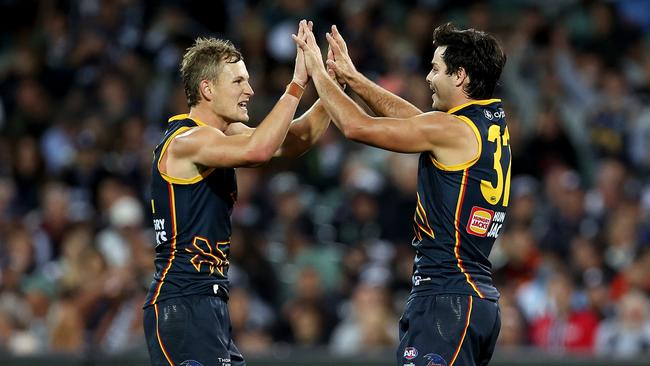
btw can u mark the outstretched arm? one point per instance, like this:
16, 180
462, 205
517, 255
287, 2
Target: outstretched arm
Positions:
441, 133
308, 128
380, 100
304, 130
303, 133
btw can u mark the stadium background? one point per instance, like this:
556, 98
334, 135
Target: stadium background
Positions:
321, 257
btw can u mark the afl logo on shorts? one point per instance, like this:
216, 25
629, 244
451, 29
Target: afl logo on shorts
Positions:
479, 221
410, 353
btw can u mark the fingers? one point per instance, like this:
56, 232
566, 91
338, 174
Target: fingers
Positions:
299, 42
339, 39
305, 38
334, 46
330, 61
331, 73
311, 39
331, 65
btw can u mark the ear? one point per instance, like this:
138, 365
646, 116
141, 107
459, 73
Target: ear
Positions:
461, 77
206, 88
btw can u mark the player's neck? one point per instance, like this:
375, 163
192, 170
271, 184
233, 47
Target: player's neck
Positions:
205, 115
459, 100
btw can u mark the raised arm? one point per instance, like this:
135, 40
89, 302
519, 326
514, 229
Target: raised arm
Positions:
380, 100
209, 147
450, 139
303, 133
305, 130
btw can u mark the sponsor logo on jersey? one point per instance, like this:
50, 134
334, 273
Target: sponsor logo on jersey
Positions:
410, 353
479, 221
435, 360
224, 361
488, 114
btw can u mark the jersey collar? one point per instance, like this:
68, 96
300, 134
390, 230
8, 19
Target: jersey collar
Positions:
479, 102
183, 116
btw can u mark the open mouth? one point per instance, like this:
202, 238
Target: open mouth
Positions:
243, 106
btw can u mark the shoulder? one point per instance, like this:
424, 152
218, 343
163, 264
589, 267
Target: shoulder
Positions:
188, 139
437, 119
445, 124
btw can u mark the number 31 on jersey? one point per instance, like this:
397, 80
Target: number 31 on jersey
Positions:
492, 193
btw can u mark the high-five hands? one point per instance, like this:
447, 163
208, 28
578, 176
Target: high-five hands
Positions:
339, 65
340, 62
307, 43
300, 75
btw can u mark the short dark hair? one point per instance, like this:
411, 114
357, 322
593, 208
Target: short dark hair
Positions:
203, 61
477, 52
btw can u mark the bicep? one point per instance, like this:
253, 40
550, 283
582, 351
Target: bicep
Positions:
424, 132
209, 147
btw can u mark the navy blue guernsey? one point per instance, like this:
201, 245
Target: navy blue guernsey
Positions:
460, 209
191, 218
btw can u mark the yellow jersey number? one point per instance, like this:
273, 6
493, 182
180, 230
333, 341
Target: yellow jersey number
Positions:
491, 193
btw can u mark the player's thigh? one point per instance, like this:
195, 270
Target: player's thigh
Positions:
442, 330
191, 331
485, 329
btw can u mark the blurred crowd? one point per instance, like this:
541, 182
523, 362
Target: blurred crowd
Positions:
321, 252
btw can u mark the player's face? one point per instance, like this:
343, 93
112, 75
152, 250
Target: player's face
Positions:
441, 84
232, 92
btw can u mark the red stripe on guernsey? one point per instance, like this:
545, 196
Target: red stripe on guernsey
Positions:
459, 205
172, 209
462, 339
162, 346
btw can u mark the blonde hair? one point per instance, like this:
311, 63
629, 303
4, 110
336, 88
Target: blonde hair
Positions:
203, 61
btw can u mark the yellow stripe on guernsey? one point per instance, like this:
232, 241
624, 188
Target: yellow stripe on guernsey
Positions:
180, 117
176, 180
162, 346
422, 214
471, 162
459, 204
172, 210
469, 122
462, 339
479, 102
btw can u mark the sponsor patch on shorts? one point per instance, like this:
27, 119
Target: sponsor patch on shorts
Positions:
479, 221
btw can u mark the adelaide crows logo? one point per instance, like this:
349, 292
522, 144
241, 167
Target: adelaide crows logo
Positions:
214, 257
435, 360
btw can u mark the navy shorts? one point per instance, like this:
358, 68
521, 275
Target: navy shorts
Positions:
448, 330
190, 331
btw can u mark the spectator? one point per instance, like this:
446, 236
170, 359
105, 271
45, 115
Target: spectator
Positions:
628, 333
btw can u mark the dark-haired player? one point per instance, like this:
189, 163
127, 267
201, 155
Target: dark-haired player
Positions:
452, 316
